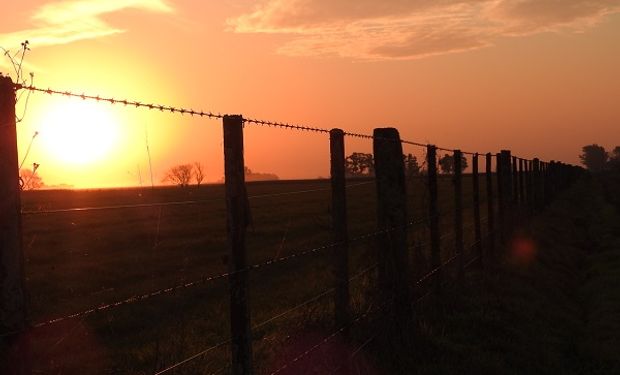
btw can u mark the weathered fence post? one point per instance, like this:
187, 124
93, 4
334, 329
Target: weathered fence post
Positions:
458, 214
490, 204
237, 221
433, 211
476, 199
339, 228
394, 280
12, 295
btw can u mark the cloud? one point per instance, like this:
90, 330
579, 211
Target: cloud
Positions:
408, 29
73, 20
534, 16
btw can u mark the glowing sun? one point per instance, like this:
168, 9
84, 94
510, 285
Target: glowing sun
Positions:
79, 132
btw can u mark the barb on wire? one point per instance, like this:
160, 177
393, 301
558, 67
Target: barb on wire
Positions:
133, 103
284, 125
167, 108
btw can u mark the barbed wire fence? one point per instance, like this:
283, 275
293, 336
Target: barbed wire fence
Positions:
540, 181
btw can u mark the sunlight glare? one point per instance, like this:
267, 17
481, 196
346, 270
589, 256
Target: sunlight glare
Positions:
79, 133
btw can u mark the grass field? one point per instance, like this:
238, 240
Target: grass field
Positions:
80, 259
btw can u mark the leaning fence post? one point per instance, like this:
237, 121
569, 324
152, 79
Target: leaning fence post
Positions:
458, 214
237, 220
12, 296
394, 281
476, 199
339, 228
433, 207
490, 203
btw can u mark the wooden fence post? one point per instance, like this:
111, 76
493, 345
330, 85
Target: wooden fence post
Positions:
433, 207
394, 274
490, 204
237, 221
339, 228
501, 212
515, 185
507, 193
536, 183
552, 180
546, 184
12, 295
529, 182
458, 214
476, 199
521, 186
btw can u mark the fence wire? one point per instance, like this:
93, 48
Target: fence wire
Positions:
208, 114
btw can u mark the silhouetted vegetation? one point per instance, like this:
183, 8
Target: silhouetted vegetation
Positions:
179, 175
359, 164
412, 168
446, 163
29, 179
199, 173
594, 157
259, 176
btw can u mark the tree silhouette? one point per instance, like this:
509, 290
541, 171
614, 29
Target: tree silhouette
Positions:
359, 164
29, 179
179, 175
594, 157
446, 163
199, 174
614, 160
412, 168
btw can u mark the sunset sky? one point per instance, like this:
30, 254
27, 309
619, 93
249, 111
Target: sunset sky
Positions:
539, 77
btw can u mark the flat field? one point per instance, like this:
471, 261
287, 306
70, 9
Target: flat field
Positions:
131, 242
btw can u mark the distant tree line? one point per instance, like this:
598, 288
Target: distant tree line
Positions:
597, 159
360, 164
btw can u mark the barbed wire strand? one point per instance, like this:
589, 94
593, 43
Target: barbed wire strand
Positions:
209, 279
126, 102
266, 322
209, 114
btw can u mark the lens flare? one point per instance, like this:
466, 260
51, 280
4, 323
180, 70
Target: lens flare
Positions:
523, 249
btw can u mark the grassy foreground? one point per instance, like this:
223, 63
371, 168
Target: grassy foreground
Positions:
551, 307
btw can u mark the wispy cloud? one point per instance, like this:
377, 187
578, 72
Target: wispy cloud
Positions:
408, 29
73, 20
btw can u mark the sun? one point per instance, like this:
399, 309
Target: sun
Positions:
79, 132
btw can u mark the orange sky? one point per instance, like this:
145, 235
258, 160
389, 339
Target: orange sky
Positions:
539, 77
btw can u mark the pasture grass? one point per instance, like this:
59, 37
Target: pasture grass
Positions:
81, 259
